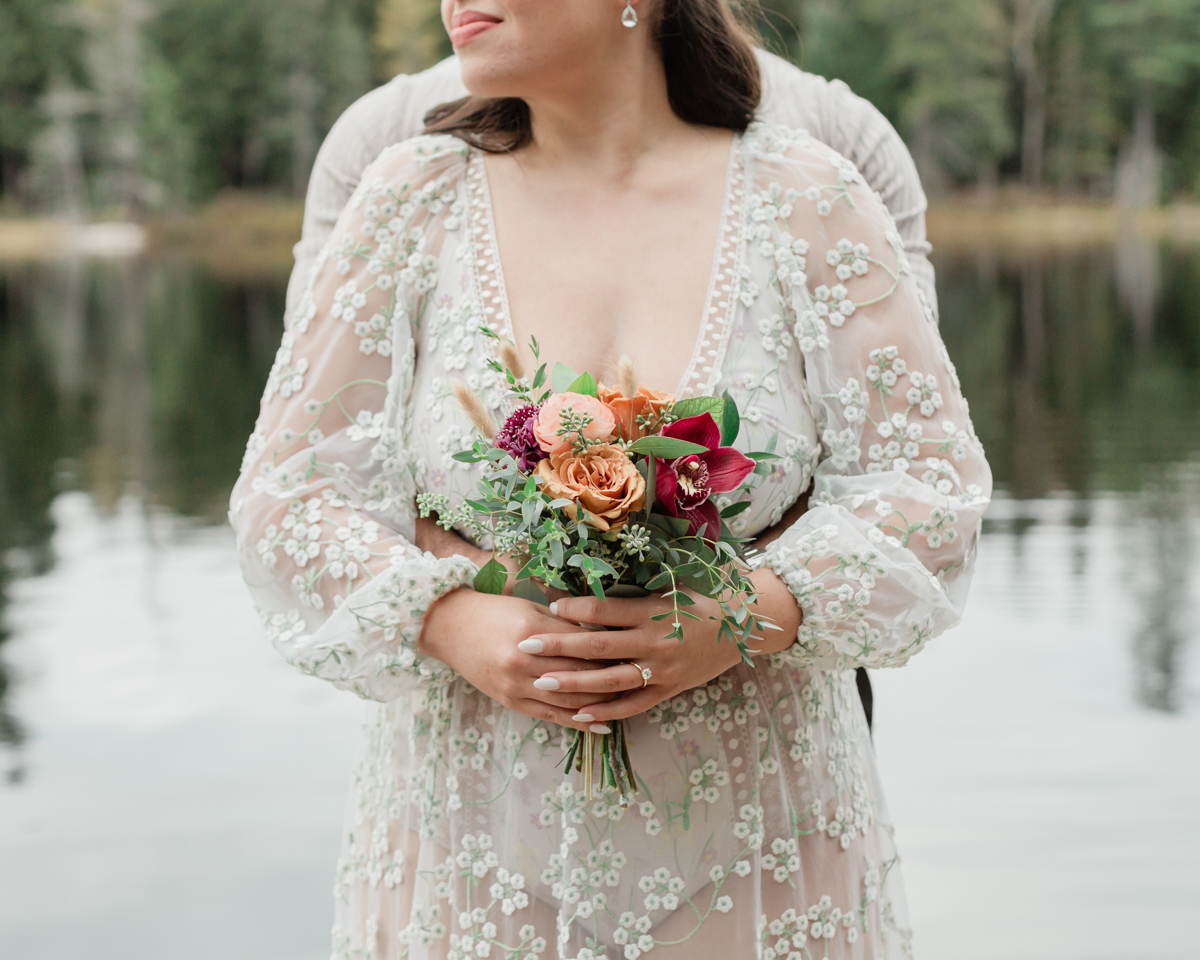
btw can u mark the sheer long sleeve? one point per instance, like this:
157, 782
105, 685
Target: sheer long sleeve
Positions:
882, 560
324, 506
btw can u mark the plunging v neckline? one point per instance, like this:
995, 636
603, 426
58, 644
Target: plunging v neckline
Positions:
720, 303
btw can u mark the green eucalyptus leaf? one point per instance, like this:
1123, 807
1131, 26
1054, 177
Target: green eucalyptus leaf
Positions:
529, 590
531, 511
731, 421
734, 509
760, 456
491, 578
661, 580
562, 377
585, 383
627, 590
672, 527
695, 406
603, 567
467, 456
666, 447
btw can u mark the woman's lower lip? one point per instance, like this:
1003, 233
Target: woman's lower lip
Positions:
460, 36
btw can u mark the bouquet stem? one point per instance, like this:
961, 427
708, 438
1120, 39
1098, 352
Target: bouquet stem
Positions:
612, 753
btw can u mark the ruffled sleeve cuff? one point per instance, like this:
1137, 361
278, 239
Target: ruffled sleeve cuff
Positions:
864, 603
369, 643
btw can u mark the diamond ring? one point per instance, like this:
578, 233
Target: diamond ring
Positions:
646, 672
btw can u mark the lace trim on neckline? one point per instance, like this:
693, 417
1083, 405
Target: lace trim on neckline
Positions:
487, 277
720, 303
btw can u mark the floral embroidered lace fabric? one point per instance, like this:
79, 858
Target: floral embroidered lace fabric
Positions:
760, 830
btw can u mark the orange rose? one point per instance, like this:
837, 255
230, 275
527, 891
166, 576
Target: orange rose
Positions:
647, 403
604, 480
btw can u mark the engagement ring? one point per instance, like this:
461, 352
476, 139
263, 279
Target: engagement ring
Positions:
644, 671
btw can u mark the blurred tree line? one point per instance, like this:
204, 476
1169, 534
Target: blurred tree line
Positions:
115, 105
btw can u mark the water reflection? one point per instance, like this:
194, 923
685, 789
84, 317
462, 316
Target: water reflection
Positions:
1083, 370
1159, 551
122, 377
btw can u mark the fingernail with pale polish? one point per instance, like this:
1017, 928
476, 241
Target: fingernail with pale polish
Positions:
600, 728
583, 718
532, 645
554, 608
546, 683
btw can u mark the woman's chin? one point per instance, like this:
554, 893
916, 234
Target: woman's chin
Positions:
482, 79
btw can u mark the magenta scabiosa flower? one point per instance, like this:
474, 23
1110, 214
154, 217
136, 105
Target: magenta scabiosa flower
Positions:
517, 437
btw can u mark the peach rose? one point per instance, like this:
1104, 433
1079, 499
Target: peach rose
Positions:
546, 427
604, 480
647, 403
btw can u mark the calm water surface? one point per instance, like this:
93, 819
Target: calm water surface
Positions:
171, 789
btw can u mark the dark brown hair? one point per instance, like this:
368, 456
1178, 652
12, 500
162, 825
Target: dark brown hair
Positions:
712, 79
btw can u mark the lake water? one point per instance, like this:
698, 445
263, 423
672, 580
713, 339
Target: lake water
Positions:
169, 788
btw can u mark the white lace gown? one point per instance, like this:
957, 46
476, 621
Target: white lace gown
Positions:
760, 830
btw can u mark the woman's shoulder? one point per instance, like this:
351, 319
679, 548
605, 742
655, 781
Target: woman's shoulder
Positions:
785, 165
415, 163
780, 153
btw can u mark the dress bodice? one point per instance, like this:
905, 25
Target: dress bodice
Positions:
742, 345
759, 789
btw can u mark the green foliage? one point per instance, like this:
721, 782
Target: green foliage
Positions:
937, 69
409, 35
1083, 127
37, 43
240, 93
1188, 155
668, 448
1156, 42
560, 547
251, 84
561, 377
584, 384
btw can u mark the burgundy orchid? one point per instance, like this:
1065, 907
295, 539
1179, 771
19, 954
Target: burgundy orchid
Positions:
683, 485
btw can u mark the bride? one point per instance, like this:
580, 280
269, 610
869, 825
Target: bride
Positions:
606, 190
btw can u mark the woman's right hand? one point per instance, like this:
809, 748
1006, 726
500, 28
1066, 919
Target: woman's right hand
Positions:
478, 636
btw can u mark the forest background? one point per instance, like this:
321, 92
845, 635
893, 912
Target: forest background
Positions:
123, 109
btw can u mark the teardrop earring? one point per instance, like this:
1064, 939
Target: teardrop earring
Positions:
629, 15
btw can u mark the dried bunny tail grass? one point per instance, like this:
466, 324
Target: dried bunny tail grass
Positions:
627, 377
511, 358
479, 415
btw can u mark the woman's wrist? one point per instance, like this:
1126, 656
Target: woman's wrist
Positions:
444, 619
776, 603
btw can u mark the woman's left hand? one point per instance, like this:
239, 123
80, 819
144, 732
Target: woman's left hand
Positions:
675, 666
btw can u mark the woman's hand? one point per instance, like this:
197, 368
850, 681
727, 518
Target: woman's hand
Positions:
447, 543
674, 666
480, 636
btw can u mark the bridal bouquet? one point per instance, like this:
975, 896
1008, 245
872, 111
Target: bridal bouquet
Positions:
609, 491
